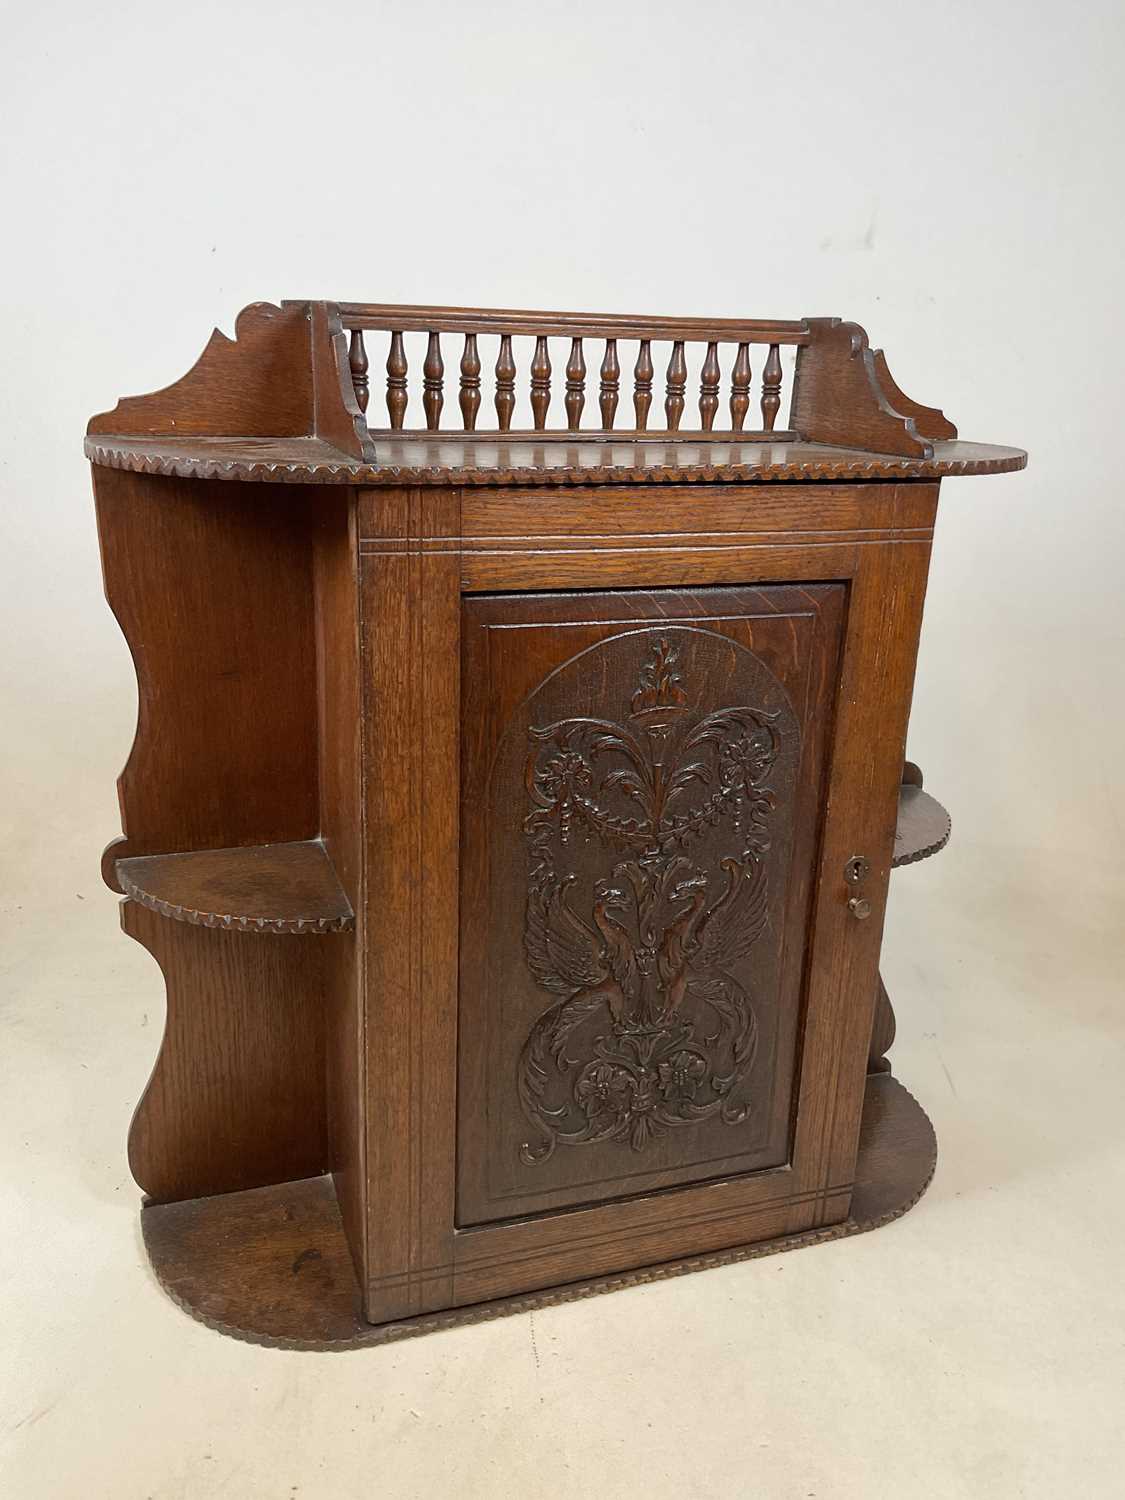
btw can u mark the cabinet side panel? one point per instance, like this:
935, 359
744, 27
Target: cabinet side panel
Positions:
410, 613
212, 586
338, 717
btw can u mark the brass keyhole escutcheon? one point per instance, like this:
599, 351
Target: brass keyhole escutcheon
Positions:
856, 869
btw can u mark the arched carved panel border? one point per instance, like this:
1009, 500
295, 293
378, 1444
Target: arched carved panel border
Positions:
641, 796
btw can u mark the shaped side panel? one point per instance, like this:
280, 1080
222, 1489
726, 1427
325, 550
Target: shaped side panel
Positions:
838, 397
212, 585
258, 384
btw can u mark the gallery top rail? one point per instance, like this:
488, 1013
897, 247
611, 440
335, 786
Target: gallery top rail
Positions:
419, 318
298, 395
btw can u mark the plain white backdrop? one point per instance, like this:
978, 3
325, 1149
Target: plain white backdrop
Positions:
949, 176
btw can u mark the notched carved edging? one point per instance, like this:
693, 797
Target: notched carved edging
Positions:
298, 926
369, 1336
325, 909
917, 855
346, 472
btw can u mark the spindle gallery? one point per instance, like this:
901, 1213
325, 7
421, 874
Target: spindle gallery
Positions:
516, 789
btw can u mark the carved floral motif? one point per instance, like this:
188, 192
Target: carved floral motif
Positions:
652, 1027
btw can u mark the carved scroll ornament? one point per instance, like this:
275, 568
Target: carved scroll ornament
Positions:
653, 1026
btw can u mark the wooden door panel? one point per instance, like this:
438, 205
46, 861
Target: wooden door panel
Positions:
642, 779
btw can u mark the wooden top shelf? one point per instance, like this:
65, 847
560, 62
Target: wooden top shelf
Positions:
923, 828
285, 888
552, 459
461, 396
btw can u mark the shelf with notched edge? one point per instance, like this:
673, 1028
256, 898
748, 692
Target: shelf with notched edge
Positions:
923, 826
294, 888
264, 888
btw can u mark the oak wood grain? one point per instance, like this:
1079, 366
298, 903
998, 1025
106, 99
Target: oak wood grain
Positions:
376, 669
837, 397
272, 1266
212, 588
237, 1094
409, 606
259, 383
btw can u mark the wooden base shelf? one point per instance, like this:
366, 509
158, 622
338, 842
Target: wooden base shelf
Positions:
272, 1265
291, 888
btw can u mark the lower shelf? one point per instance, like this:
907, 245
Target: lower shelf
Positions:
271, 1265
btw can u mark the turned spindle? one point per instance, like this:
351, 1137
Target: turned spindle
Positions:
505, 383
396, 382
611, 381
740, 388
677, 384
771, 388
470, 383
709, 388
540, 383
357, 359
642, 384
432, 372
575, 385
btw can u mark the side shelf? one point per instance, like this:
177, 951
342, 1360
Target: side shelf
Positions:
923, 826
290, 887
923, 829
239, 818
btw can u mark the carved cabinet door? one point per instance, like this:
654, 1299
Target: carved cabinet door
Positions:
643, 795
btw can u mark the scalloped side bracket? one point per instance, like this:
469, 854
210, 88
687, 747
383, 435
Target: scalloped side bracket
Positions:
843, 394
284, 374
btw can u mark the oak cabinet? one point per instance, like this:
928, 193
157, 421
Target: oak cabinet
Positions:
512, 811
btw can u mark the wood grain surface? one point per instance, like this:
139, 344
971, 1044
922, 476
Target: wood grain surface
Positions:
237, 1094
272, 1266
531, 660
290, 888
454, 460
326, 826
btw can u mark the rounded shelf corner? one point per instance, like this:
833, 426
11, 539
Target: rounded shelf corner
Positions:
923, 826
